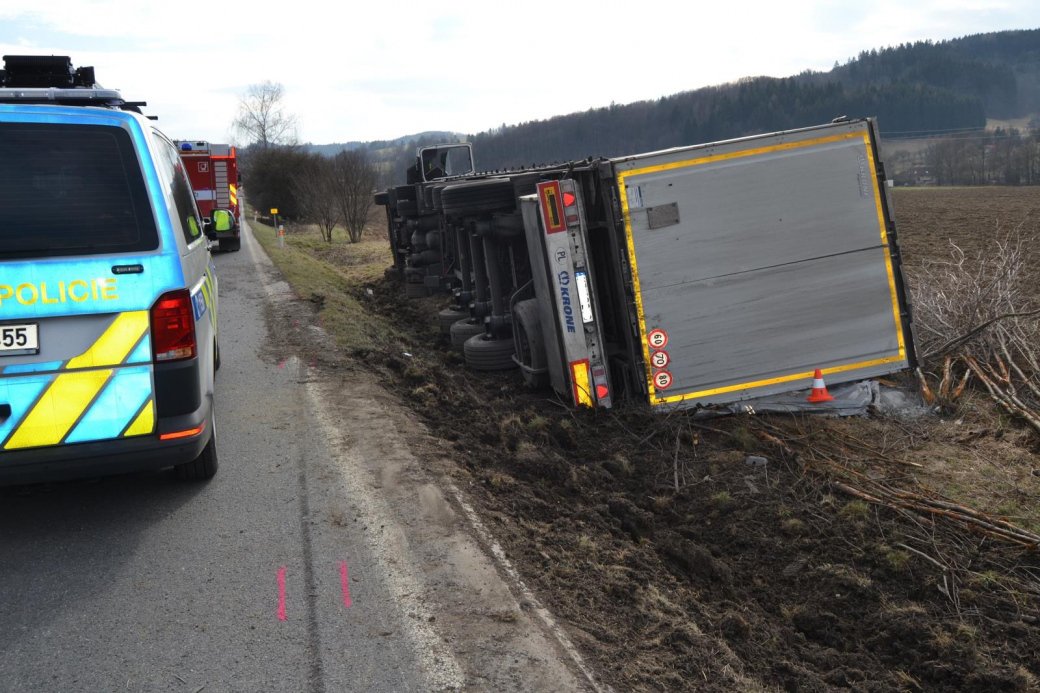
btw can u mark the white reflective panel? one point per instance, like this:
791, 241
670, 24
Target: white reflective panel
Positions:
583, 296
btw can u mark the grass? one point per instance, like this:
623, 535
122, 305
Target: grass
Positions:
897, 559
856, 511
332, 275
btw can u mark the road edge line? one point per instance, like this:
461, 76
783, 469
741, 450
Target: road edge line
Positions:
543, 614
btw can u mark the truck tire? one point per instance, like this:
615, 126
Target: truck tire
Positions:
479, 196
532, 344
414, 275
407, 208
448, 317
418, 241
483, 354
413, 290
404, 192
433, 240
382, 199
203, 467
462, 331
391, 273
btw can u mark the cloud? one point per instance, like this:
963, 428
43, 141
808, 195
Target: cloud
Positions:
377, 70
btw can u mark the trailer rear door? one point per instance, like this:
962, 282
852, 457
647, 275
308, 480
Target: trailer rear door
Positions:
755, 261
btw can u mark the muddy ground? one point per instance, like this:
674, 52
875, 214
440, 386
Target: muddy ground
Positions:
746, 578
931, 219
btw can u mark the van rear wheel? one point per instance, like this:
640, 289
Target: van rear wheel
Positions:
204, 467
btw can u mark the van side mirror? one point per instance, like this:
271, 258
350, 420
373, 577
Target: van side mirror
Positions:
207, 228
223, 220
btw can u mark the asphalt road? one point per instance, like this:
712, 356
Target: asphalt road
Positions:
143, 583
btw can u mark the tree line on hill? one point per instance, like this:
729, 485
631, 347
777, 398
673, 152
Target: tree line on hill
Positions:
1000, 69
999, 157
920, 87
327, 191
716, 113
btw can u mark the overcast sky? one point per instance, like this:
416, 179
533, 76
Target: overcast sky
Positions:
379, 70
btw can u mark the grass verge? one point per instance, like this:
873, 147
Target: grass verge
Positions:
332, 277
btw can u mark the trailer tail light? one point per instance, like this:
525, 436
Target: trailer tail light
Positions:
173, 327
570, 202
581, 383
599, 379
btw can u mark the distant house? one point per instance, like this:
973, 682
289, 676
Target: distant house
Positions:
914, 176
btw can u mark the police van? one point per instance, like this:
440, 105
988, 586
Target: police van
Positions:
108, 294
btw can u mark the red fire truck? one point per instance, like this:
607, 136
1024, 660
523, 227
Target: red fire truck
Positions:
213, 172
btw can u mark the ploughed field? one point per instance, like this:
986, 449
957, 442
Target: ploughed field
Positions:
930, 219
675, 565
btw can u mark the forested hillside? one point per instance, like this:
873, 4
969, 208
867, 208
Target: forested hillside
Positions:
918, 87
715, 113
1001, 69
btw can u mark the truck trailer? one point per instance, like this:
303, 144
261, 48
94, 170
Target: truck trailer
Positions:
697, 276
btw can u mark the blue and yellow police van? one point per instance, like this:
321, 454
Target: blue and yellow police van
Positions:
108, 294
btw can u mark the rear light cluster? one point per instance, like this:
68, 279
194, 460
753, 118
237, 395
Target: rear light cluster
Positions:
173, 327
188, 433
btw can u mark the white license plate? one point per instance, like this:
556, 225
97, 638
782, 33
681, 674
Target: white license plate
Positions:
19, 339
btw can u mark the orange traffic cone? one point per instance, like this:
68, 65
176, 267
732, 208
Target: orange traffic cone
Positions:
819, 389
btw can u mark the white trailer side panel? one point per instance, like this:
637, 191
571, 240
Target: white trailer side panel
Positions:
760, 260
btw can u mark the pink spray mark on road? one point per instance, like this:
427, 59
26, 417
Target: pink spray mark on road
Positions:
281, 593
281, 364
343, 578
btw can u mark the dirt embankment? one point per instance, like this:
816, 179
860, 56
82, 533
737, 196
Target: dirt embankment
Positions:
746, 578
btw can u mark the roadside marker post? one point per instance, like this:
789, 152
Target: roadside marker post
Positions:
281, 237
274, 222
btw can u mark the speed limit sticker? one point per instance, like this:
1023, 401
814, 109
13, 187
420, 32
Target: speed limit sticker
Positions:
657, 339
662, 380
659, 359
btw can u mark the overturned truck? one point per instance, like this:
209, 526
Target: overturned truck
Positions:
692, 277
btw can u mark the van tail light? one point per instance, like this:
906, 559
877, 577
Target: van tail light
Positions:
173, 327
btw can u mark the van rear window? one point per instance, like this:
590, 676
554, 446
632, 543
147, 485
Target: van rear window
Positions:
71, 190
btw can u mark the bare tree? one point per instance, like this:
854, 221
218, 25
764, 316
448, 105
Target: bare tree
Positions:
262, 118
315, 190
355, 180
